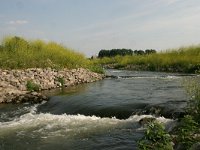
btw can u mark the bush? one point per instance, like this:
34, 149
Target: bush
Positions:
155, 138
31, 86
186, 131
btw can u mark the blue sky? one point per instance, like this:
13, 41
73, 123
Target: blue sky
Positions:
90, 25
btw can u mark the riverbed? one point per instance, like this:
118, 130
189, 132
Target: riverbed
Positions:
101, 115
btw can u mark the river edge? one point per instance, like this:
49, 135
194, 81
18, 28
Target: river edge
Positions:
13, 83
141, 67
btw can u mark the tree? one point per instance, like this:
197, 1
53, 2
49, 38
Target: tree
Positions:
115, 52
150, 51
139, 52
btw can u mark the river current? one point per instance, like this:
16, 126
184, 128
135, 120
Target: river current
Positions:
101, 115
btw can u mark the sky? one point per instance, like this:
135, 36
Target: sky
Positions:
87, 26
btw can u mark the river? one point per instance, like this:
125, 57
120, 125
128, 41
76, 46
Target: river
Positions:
101, 115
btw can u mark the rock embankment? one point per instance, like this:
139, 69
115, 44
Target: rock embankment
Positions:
13, 83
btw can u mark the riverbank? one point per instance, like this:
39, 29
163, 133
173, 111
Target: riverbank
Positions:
24, 85
182, 60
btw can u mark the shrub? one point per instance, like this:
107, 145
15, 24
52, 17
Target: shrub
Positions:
31, 86
155, 138
186, 131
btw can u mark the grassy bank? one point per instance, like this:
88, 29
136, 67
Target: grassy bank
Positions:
186, 59
18, 53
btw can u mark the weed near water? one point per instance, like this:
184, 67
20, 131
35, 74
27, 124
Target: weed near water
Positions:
31, 86
188, 130
186, 134
155, 138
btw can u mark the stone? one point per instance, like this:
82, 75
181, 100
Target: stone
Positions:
13, 82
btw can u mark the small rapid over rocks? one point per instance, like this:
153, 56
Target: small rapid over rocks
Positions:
47, 131
107, 114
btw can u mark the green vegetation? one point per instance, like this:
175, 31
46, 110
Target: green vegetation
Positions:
186, 59
94, 67
18, 53
31, 86
155, 138
114, 52
124, 52
187, 131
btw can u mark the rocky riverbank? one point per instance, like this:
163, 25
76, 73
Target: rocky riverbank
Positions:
15, 85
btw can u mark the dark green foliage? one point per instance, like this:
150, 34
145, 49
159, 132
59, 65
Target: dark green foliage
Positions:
31, 86
139, 52
115, 52
124, 52
186, 131
150, 51
155, 138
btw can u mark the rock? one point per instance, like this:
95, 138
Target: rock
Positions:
34, 93
13, 82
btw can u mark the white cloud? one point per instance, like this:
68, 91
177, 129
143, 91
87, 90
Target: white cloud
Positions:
18, 22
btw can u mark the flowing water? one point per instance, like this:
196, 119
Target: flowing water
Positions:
100, 115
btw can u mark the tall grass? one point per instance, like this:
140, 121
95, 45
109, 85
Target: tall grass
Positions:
185, 59
16, 52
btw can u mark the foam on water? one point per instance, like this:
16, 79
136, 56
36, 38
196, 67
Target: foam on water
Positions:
48, 125
149, 77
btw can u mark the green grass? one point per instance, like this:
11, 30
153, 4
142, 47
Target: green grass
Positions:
185, 59
31, 86
18, 53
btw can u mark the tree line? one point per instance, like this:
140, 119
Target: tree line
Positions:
124, 52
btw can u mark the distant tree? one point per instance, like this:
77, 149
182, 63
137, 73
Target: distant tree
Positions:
150, 51
115, 52
124, 52
139, 52
104, 53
